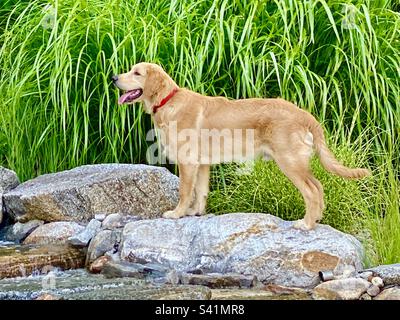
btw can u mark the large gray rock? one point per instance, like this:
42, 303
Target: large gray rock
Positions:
390, 273
80, 193
8, 180
251, 244
54, 233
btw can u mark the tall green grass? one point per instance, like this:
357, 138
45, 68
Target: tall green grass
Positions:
337, 59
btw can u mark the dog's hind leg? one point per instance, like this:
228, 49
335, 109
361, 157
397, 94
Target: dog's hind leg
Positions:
201, 191
295, 165
188, 177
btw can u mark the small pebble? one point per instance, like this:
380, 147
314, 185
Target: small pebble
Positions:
373, 291
377, 281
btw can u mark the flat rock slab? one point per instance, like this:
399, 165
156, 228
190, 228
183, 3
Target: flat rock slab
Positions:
252, 244
54, 233
81, 193
19, 261
257, 294
342, 289
389, 273
217, 280
113, 269
80, 285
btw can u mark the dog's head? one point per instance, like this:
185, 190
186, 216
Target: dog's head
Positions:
145, 82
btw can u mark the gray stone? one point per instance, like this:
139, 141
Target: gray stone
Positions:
389, 294
343, 289
373, 291
104, 241
8, 180
81, 285
218, 280
116, 220
79, 194
377, 281
83, 238
19, 231
54, 233
254, 244
389, 273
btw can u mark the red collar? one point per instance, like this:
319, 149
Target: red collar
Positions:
165, 100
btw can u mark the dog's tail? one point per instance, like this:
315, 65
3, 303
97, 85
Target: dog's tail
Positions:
328, 160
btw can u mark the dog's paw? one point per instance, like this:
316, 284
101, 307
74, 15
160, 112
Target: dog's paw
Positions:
302, 225
194, 212
171, 215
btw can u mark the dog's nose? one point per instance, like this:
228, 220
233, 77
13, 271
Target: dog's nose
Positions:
114, 78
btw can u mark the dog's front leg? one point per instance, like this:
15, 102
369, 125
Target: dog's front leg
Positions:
201, 191
188, 176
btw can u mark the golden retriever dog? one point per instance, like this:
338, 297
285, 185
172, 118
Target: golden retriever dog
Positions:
249, 128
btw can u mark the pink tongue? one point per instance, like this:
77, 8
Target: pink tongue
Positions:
122, 99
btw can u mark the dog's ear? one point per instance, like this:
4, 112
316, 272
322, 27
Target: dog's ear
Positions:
156, 84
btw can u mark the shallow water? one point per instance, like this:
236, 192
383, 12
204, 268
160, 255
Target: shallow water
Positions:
81, 285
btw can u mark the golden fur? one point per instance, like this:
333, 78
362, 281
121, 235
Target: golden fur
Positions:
282, 131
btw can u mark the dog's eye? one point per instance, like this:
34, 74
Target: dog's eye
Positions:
136, 73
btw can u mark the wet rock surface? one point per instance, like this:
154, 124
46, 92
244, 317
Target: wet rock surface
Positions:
81, 193
22, 261
217, 280
113, 269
